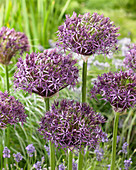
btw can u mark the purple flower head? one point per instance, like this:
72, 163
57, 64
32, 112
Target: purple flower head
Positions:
11, 110
46, 73
18, 157
130, 58
99, 153
61, 167
37, 166
71, 125
6, 152
87, 34
11, 43
118, 88
30, 149
127, 164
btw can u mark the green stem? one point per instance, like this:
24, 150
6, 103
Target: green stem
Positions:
114, 141
7, 77
70, 157
52, 147
1, 156
84, 79
7, 87
52, 155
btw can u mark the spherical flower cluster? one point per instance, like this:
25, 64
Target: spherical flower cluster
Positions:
46, 73
118, 88
11, 110
71, 125
6, 152
18, 157
30, 149
130, 58
87, 34
11, 43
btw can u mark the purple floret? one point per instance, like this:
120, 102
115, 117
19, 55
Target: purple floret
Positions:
127, 164
61, 167
12, 43
118, 88
71, 125
11, 110
99, 153
130, 58
38, 166
30, 149
124, 148
18, 157
6, 152
87, 34
46, 73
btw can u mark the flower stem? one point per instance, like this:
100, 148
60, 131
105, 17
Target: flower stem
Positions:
52, 147
84, 79
115, 129
7, 136
1, 148
70, 156
7, 78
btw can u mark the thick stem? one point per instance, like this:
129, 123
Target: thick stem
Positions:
80, 159
115, 129
52, 147
70, 157
84, 79
52, 155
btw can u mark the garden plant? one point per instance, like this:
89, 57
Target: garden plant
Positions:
53, 115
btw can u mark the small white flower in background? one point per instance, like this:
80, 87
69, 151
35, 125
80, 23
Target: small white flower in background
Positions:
118, 63
101, 65
124, 45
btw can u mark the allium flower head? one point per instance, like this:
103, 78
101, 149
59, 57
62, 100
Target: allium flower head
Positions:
6, 152
18, 157
46, 73
30, 149
130, 58
87, 34
11, 43
11, 110
71, 125
118, 88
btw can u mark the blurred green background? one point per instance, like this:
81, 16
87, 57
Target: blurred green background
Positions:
40, 19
